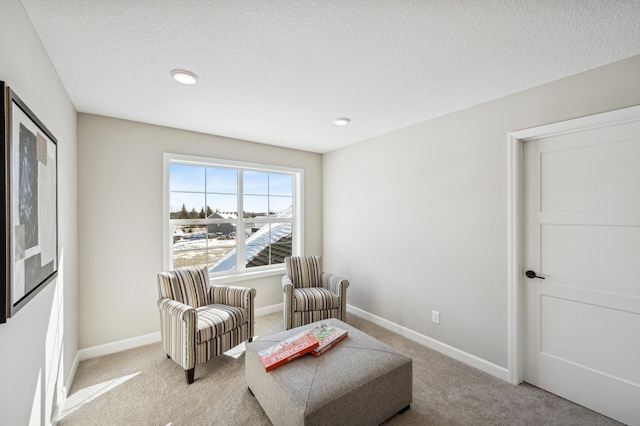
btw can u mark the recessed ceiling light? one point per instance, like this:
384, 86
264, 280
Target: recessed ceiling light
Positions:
184, 76
343, 121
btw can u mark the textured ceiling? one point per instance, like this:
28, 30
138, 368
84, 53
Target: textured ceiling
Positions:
279, 72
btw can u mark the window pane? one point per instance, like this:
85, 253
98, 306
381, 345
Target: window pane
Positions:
222, 203
256, 205
186, 178
189, 246
222, 180
186, 205
281, 206
255, 182
269, 245
222, 231
222, 252
195, 245
280, 184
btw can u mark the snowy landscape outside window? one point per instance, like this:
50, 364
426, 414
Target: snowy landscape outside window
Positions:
230, 218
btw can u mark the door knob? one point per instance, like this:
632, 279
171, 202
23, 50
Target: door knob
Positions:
532, 274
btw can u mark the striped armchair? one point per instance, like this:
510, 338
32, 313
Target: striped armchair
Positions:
311, 295
199, 321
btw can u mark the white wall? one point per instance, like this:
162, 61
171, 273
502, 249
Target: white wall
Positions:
120, 225
416, 219
39, 344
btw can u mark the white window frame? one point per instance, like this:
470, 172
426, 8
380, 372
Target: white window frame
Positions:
241, 272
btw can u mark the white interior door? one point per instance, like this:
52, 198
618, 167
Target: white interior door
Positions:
582, 235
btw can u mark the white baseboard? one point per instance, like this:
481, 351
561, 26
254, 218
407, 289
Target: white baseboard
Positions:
269, 309
69, 381
62, 398
467, 358
120, 345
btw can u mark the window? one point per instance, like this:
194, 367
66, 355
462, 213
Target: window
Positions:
233, 217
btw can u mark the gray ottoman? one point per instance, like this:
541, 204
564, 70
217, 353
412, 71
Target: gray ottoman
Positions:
360, 381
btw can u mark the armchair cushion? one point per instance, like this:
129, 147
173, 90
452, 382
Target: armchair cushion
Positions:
315, 299
215, 320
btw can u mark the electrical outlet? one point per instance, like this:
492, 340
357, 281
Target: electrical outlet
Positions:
435, 317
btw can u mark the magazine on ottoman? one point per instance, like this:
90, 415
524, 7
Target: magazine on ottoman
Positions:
328, 336
288, 350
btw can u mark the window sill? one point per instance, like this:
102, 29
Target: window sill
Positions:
245, 276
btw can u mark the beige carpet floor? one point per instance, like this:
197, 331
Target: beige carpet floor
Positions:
142, 387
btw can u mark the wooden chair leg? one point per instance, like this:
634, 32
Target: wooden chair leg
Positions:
190, 373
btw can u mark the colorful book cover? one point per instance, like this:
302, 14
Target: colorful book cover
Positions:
327, 336
287, 350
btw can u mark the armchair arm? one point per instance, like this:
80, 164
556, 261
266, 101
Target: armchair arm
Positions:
334, 283
287, 289
178, 323
287, 284
232, 295
339, 286
176, 309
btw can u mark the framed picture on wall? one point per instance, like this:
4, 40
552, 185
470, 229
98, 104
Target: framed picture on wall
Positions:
29, 179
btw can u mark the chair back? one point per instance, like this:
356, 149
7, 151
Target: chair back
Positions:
303, 270
186, 285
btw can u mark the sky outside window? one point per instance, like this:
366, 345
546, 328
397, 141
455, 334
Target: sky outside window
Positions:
187, 183
255, 183
280, 184
265, 192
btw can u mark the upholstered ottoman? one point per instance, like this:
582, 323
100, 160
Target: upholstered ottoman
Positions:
360, 381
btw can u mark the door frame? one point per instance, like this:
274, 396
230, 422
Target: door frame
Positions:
515, 219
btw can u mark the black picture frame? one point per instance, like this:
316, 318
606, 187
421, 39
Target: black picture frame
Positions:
30, 223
